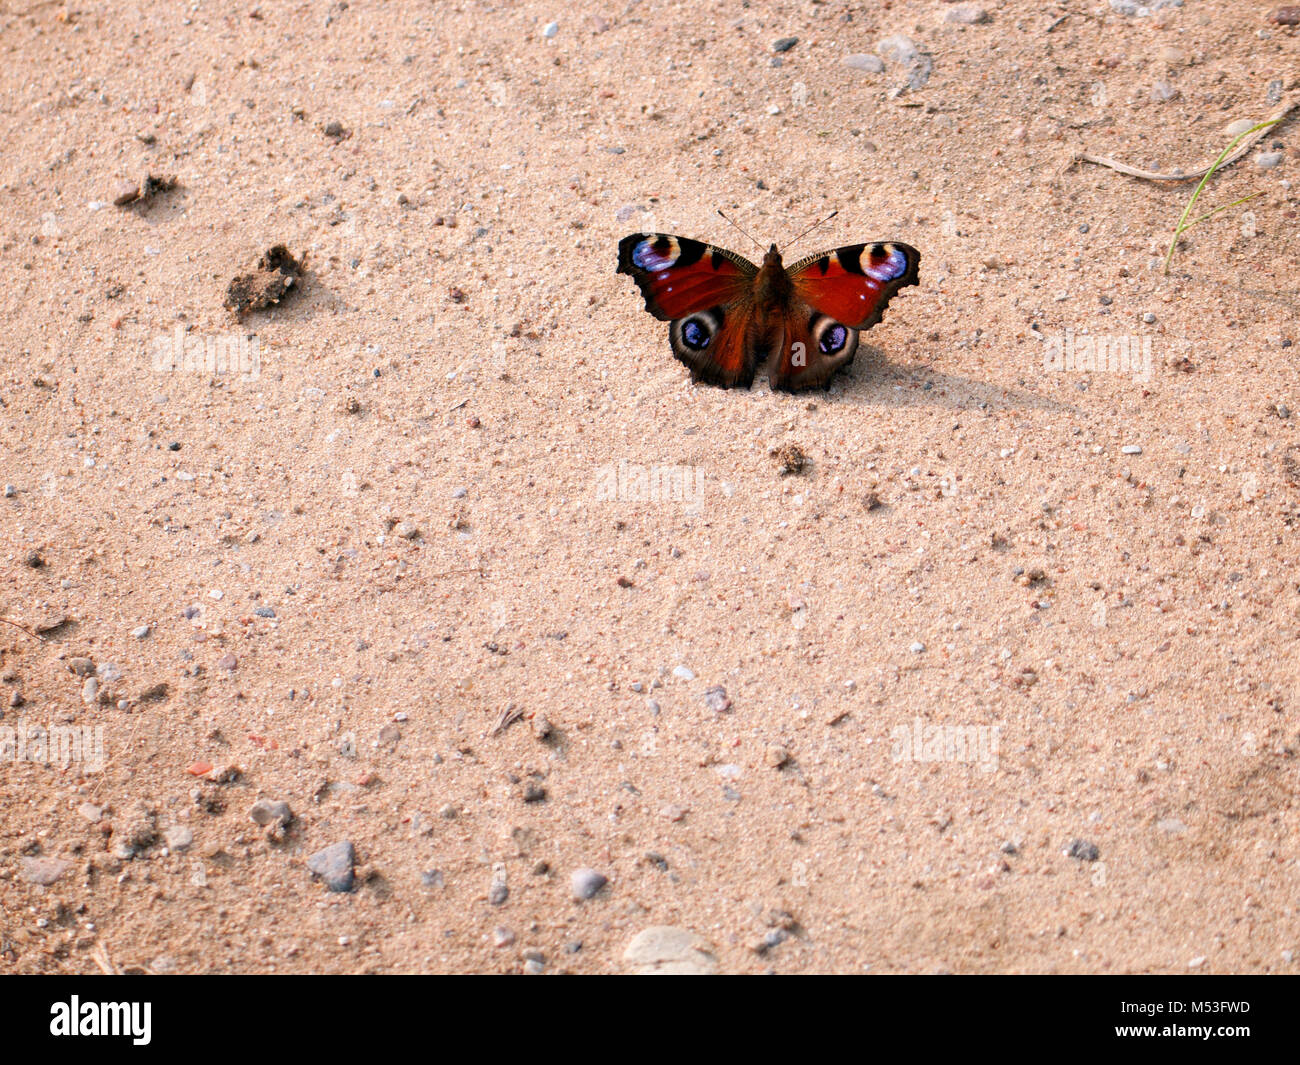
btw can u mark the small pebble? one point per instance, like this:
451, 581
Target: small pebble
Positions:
1083, 850
776, 756
784, 44
264, 612
335, 865
268, 812
125, 192
868, 64
967, 15
1131, 449
178, 838
717, 700
141, 632
550, 30
586, 883
668, 949
682, 673
10, 491
917, 647
1268, 160
43, 871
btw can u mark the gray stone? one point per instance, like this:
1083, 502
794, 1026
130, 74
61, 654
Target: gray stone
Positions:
335, 865
717, 700
1268, 160
1083, 850
586, 883
267, 812
867, 64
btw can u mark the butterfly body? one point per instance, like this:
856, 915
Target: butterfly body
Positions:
726, 315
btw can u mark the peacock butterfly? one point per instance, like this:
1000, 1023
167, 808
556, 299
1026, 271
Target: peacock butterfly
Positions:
727, 315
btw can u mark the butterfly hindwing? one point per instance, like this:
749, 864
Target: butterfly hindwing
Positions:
837, 294
812, 347
706, 294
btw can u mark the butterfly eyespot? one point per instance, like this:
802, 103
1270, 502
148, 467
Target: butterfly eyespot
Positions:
656, 253
885, 263
833, 339
695, 334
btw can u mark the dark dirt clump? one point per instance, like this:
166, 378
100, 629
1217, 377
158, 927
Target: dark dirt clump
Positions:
276, 273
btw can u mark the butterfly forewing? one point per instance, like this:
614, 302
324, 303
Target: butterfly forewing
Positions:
854, 284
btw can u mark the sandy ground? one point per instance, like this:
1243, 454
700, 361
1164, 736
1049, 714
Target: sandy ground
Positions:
329, 580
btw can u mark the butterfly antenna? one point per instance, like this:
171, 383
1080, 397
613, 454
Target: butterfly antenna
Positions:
810, 229
725, 218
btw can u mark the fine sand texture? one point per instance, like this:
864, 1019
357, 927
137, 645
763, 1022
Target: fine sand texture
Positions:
983, 660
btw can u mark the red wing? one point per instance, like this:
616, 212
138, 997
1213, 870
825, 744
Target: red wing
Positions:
854, 284
837, 294
812, 346
679, 276
720, 345
706, 293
